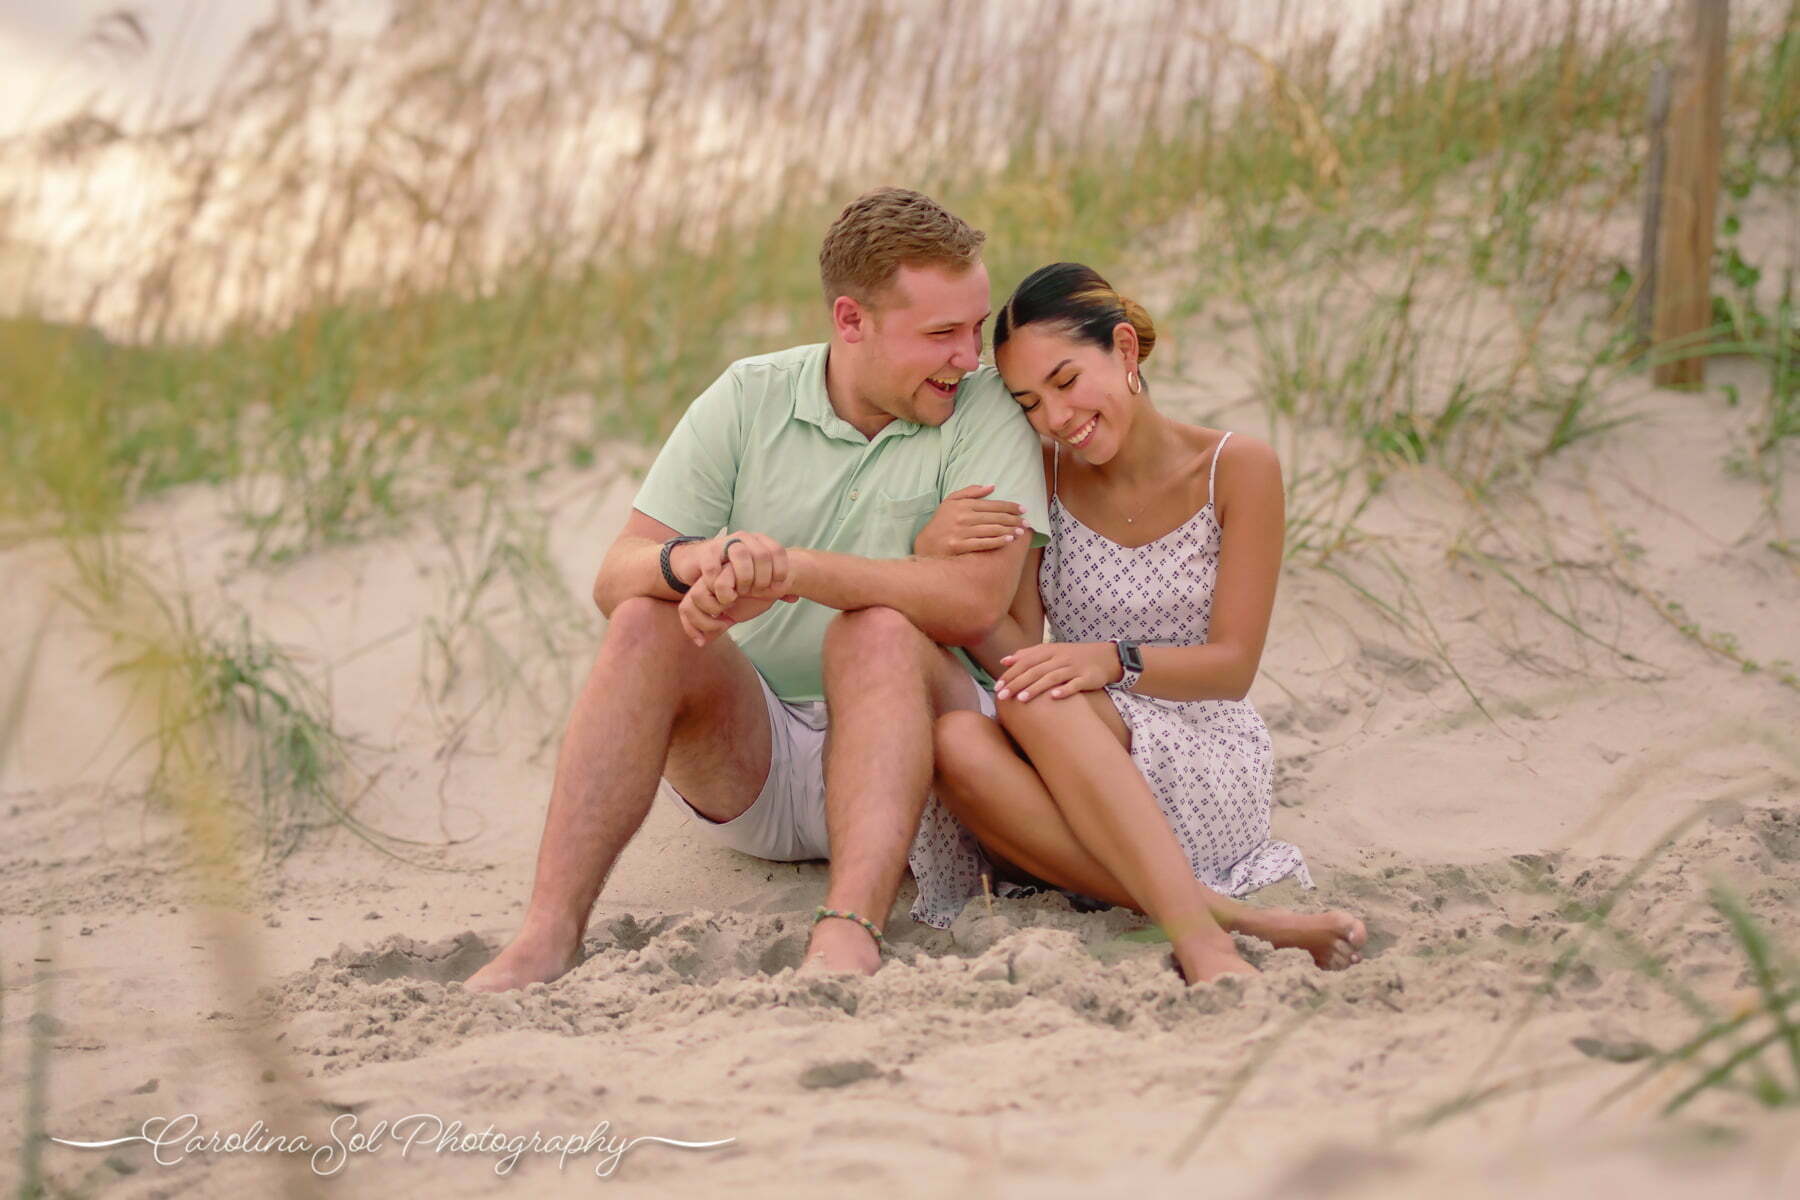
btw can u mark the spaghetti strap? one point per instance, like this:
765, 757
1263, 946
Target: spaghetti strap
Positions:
1056, 465
1213, 473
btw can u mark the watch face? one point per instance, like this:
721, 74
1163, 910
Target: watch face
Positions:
1128, 654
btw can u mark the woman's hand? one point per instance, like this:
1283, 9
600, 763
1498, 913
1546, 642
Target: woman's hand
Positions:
967, 522
1059, 668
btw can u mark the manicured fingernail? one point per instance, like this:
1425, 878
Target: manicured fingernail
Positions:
1024, 695
1001, 694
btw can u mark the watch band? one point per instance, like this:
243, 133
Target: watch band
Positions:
668, 570
1131, 666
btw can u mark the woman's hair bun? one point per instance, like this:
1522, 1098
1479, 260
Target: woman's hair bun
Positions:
1141, 322
1076, 298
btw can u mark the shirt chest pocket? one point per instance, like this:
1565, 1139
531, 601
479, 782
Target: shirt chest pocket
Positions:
910, 508
901, 518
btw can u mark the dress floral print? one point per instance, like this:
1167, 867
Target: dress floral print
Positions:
1209, 763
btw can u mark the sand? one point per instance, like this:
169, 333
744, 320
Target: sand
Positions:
1030, 1050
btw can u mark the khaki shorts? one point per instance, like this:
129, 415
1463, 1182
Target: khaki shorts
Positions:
786, 822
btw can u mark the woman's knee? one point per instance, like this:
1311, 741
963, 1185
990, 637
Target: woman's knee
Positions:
1015, 714
960, 739
1062, 716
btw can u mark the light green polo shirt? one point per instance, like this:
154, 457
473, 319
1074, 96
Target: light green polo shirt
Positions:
762, 450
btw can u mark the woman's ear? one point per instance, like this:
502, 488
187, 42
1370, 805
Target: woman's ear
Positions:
1125, 344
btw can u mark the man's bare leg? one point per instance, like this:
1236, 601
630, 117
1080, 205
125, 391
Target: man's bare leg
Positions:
886, 683
653, 704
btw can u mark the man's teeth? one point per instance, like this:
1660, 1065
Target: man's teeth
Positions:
947, 384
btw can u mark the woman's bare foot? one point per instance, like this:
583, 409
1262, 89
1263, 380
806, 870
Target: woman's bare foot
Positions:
841, 945
1206, 959
527, 959
1334, 939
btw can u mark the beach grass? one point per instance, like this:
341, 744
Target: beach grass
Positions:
40, 1029
213, 698
33, 1097
360, 402
507, 627
1748, 1046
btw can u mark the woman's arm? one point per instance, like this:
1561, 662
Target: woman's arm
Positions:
967, 522
1251, 512
1023, 624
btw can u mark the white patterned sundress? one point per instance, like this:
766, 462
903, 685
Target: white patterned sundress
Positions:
1209, 763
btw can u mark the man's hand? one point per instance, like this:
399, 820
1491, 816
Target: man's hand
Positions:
742, 575
1059, 668
967, 522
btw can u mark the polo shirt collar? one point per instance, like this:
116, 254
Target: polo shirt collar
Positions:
812, 404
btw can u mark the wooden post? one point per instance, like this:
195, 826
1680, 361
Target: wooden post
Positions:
1690, 195
1657, 118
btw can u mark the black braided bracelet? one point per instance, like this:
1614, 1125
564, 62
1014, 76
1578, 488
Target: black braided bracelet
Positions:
669, 575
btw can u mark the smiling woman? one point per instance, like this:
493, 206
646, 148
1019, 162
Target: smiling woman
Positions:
1146, 776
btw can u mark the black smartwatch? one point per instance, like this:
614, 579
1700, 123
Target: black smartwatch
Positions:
1131, 662
668, 570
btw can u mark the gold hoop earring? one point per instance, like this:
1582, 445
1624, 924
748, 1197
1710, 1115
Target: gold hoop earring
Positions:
1133, 382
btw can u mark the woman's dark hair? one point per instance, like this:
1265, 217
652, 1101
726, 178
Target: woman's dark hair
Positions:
1077, 300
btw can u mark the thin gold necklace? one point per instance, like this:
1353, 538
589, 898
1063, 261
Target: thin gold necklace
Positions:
1130, 518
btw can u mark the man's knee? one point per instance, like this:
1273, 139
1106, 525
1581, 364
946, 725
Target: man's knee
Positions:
642, 622
872, 635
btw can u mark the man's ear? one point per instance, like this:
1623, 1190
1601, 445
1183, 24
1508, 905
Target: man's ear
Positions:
849, 319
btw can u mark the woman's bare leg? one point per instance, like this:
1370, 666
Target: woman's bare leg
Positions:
1003, 801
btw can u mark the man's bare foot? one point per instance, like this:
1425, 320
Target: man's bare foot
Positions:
525, 960
1208, 959
841, 945
1334, 939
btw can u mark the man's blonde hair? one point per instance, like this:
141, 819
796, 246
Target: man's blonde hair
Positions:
884, 230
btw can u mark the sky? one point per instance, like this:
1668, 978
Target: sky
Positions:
50, 72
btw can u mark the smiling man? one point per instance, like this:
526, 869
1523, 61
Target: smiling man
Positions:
763, 589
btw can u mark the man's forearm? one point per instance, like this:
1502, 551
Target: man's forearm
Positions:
633, 567
945, 597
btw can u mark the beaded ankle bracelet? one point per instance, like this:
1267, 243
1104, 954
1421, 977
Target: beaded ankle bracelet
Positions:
821, 912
